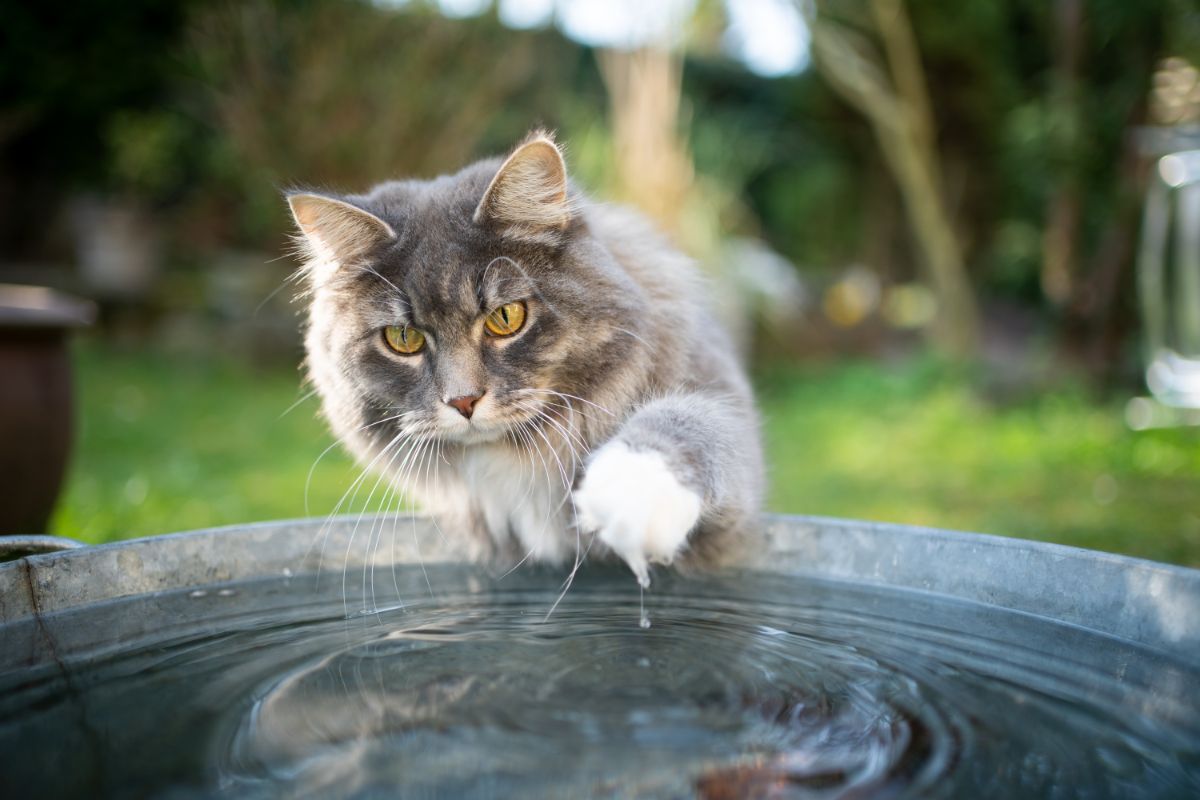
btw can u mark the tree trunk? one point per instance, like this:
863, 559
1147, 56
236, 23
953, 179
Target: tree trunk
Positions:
653, 167
890, 92
1060, 242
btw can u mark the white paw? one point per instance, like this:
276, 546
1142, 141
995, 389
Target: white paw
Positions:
637, 507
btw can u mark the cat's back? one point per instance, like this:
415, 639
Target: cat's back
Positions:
691, 346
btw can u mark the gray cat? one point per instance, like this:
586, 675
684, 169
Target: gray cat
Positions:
536, 369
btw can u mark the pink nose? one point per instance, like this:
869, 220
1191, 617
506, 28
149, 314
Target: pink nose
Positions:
465, 404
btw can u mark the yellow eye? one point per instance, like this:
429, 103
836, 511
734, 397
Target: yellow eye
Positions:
403, 339
505, 320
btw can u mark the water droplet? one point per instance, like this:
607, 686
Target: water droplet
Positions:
198, 593
644, 622
226, 593
287, 573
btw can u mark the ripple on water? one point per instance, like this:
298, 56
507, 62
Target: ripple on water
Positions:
745, 685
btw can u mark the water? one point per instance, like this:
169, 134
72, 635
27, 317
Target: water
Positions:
743, 685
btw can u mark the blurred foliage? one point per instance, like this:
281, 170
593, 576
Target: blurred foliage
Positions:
207, 108
1006, 136
343, 95
146, 149
171, 445
65, 72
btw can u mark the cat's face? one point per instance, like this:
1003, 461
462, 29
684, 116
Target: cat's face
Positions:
463, 308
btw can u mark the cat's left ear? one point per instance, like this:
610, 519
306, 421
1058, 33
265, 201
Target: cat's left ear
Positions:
528, 198
336, 232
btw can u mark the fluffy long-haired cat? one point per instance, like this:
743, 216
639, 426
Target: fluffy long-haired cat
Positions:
537, 370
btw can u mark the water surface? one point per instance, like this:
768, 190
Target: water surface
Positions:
744, 685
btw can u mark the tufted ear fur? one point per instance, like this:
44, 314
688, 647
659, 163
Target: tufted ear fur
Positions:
528, 198
336, 233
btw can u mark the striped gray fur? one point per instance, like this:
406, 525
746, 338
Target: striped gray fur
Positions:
618, 346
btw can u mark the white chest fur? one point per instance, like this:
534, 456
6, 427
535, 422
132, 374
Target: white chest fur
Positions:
513, 495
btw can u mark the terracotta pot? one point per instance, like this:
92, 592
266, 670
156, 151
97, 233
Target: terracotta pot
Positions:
35, 401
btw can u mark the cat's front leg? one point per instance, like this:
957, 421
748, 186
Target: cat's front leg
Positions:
678, 462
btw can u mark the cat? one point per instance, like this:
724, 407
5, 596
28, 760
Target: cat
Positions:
537, 370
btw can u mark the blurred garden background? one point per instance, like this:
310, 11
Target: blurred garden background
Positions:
928, 224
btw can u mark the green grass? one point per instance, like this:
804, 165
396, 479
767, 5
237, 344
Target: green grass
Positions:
168, 444
171, 443
915, 444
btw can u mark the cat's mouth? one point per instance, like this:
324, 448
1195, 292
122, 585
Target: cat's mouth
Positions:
496, 424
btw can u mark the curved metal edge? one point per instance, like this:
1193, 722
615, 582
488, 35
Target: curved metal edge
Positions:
53, 582
1154, 604
13, 547
1143, 601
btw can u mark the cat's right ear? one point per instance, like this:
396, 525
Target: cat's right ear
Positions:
336, 233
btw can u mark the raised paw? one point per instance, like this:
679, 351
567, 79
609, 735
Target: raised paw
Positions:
636, 505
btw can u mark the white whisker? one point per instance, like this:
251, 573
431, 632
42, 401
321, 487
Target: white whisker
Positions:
323, 533
571, 578
307, 395
572, 397
354, 532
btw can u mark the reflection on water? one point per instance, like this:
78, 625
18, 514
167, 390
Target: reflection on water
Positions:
745, 685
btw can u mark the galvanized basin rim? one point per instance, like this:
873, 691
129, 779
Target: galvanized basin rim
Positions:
1157, 605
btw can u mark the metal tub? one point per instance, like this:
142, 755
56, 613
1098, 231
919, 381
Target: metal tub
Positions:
1006, 639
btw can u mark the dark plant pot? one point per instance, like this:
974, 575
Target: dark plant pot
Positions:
35, 401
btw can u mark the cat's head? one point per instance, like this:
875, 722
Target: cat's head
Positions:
461, 307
